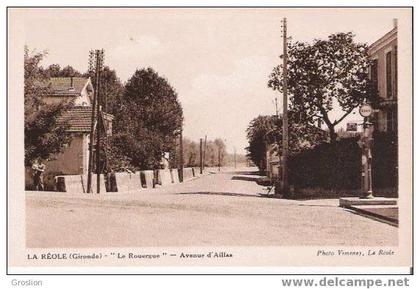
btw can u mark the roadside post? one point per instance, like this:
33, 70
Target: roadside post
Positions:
181, 156
365, 143
201, 156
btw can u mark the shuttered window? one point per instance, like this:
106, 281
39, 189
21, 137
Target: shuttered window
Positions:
374, 73
388, 66
395, 71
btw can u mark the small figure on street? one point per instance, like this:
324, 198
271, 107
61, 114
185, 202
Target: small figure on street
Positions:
38, 175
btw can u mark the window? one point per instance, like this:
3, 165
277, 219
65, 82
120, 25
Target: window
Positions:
395, 71
374, 73
391, 120
388, 74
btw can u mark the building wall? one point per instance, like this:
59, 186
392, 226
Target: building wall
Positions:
386, 118
84, 98
81, 100
57, 99
85, 150
71, 161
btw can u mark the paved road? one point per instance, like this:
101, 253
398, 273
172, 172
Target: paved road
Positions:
222, 209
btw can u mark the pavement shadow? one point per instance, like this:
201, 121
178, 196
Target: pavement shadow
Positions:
244, 178
317, 205
245, 173
221, 194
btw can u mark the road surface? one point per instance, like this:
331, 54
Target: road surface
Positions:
223, 209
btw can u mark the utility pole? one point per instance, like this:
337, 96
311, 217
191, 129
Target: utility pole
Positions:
201, 155
218, 156
95, 63
181, 156
285, 140
204, 151
99, 55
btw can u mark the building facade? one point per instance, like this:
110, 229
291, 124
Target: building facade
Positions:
74, 158
384, 74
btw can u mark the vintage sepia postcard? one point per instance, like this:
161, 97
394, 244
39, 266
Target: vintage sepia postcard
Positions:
209, 140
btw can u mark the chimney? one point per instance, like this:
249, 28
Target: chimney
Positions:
395, 22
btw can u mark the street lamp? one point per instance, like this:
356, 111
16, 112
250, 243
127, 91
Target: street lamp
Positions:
181, 155
365, 143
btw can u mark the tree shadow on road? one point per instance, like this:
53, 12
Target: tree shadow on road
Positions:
221, 194
244, 178
245, 173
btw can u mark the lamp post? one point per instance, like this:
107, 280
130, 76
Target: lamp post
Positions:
181, 154
366, 145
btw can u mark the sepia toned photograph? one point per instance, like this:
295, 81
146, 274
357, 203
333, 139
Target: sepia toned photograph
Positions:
210, 137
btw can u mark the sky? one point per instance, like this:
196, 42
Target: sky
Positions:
218, 60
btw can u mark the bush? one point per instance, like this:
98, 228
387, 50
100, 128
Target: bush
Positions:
339, 167
328, 166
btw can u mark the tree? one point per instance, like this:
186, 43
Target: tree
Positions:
147, 119
220, 146
54, 70
111, 89
267, 130
261, 131
192, 153
45, 133
323, 74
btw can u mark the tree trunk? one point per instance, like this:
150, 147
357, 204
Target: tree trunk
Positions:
333, 135
331, 165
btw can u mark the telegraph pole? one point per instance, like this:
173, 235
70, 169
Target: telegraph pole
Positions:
181, 156
204, 151
218, 156
285, 136
201, 155
95, 64
99, 57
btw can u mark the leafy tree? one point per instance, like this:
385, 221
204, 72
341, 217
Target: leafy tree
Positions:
261, 131
111, 89
146, 121
219, 146
45, 133
323, 74
192, 153
54, 70
267, 130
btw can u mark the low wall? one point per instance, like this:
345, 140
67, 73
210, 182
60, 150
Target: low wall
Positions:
175, 176
93, 188
147, 179
188, 173
73, 184
196, 171
164, 177
77, 184
127, 182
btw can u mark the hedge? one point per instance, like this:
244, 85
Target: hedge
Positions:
339, 166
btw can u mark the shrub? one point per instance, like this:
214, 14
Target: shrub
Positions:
338, 166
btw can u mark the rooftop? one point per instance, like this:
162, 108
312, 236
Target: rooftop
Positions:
79, 118
67, 86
